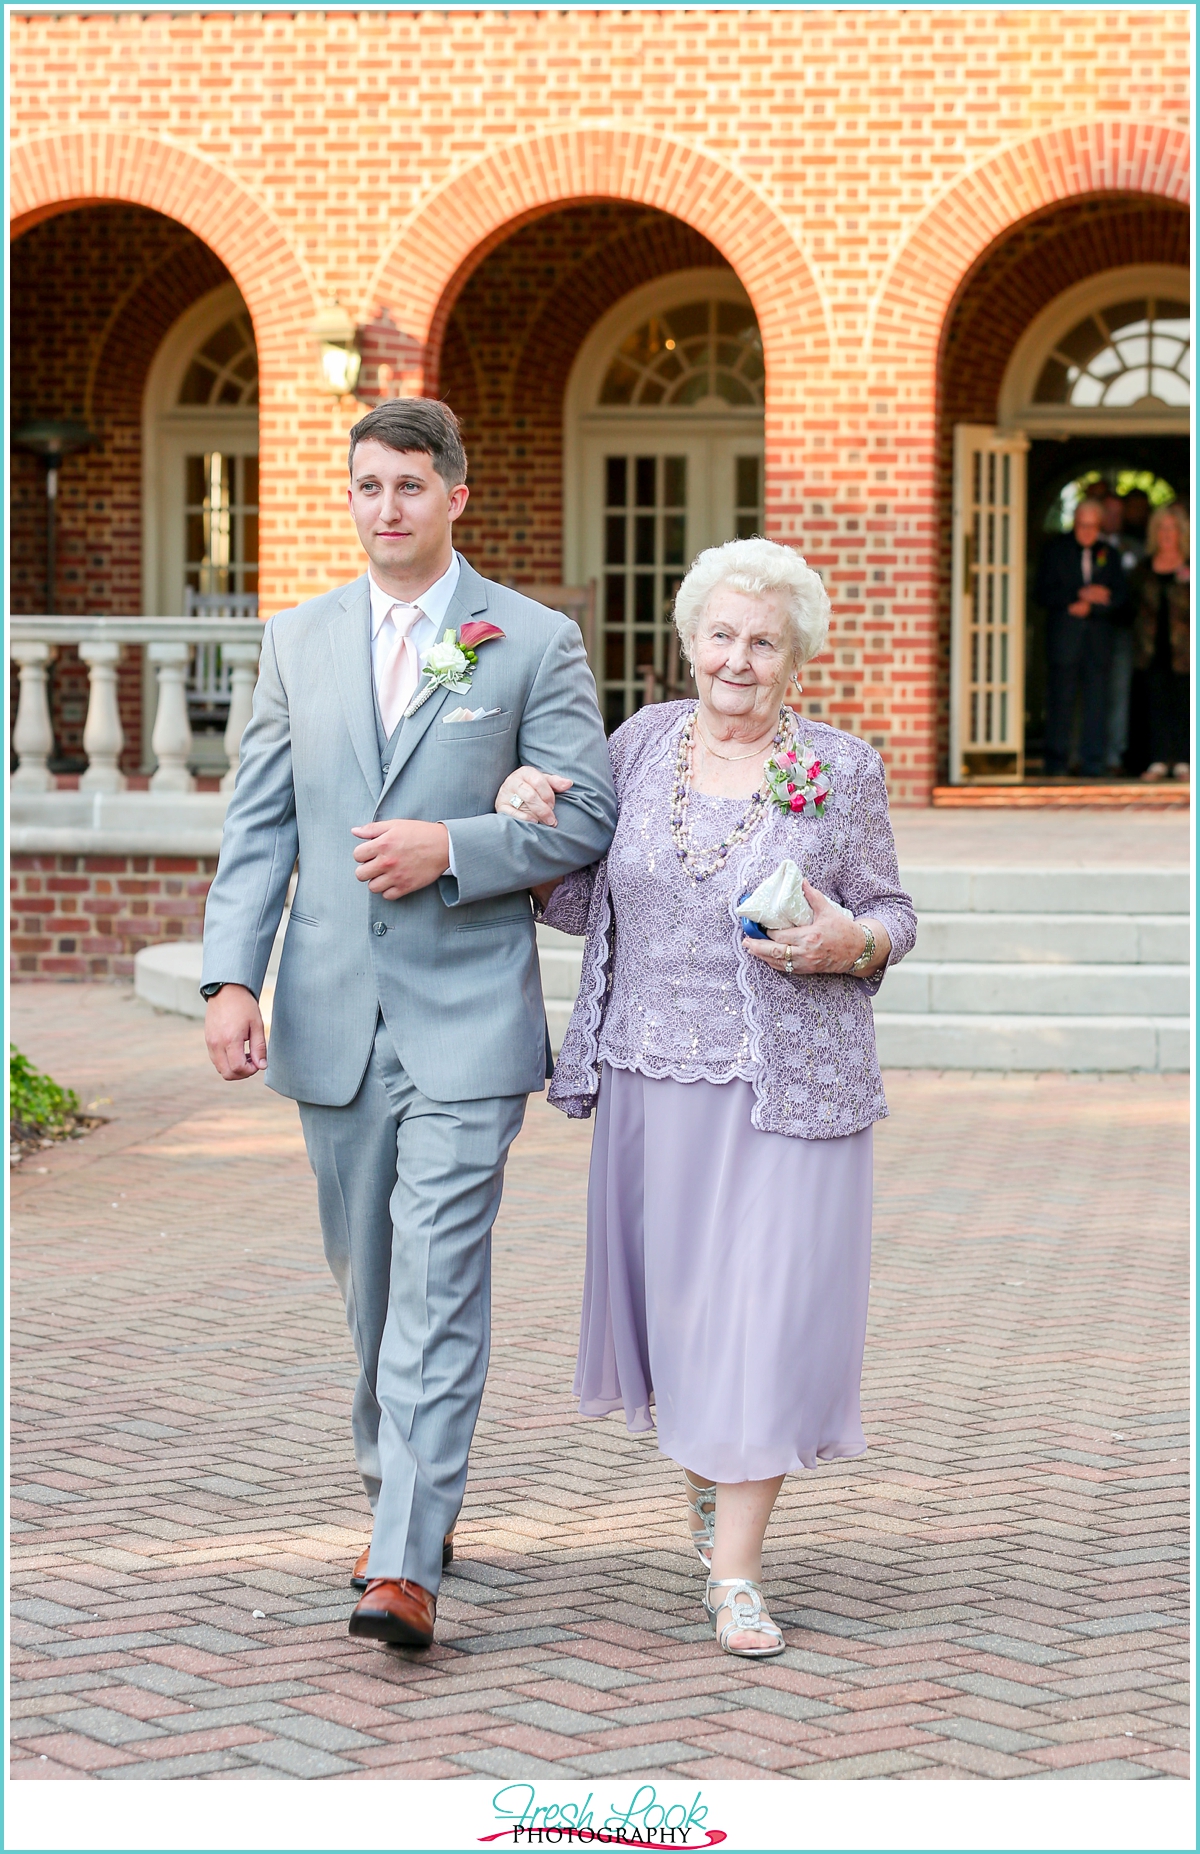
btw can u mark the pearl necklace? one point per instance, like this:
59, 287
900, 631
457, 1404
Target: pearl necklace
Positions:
701, 864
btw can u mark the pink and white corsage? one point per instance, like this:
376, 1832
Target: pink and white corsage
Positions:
799, 780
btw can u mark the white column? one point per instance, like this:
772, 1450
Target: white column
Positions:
33, 736
103, 735
172, 736
243, 674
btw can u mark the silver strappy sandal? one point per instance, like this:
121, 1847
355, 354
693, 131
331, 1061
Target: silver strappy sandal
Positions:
744, 1603
704, 1506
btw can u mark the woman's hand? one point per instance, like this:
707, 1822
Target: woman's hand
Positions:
830, 943
529, 795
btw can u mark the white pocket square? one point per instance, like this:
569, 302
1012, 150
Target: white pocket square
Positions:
469, 714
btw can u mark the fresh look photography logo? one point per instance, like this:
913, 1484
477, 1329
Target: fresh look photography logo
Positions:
643, 1822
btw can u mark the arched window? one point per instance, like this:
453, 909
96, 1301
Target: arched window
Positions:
1136, 354
1111, 355
224, 372
703, 354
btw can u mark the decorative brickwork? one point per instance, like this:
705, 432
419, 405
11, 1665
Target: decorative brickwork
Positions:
84, 917
851, 167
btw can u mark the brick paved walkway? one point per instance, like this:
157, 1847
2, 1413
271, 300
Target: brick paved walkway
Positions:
997, 1590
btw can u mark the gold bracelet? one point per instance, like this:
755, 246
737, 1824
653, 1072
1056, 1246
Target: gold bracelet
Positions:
868, 953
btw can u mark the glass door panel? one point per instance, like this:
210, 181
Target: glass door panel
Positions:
657, 495
646, 539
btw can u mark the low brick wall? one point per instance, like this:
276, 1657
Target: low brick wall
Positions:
84, 917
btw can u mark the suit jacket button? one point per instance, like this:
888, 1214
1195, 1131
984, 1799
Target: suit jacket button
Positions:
381, 926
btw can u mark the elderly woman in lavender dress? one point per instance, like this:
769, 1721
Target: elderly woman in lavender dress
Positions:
734, 1080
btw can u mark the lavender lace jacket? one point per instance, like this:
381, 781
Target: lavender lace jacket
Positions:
805, 1043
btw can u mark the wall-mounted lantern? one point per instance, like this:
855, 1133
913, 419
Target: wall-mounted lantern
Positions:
52, 439
334, 333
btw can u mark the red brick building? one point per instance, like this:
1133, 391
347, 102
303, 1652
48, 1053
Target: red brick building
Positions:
682, 274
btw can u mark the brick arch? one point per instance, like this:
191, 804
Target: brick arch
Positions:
420, 277
510, 343
1101, 157
63, 172
301, 429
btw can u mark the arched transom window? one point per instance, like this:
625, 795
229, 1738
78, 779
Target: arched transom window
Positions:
1134, 355
224, 371
704, 355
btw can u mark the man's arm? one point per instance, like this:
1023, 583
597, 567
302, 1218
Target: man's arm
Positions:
560, 730
258, 846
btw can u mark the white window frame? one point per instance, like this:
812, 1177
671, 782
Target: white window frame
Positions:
166, 426
1018, 411
587, 425
169, 432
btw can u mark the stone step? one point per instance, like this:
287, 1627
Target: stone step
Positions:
960, 986
560, 970
168, 976
968, 1041
960, 890
1055, 939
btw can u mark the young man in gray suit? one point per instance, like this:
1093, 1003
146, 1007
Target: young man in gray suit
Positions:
408, 1019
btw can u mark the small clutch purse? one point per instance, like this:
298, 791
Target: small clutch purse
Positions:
778, 901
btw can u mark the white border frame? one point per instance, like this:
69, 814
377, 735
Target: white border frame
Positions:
1016, 410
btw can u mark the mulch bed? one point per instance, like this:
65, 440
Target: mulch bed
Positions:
26, 1137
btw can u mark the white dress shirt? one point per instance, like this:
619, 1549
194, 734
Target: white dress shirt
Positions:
425, 633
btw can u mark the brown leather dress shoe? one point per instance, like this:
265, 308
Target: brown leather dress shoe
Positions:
358, 1576
393, 1610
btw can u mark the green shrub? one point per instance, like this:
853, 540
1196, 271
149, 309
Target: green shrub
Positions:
35, 1100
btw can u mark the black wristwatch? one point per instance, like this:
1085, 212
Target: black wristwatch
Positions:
210, 991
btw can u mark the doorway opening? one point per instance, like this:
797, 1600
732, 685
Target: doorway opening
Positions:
1095, 388
1059, 474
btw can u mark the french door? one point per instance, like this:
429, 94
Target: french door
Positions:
987, 611
655, 496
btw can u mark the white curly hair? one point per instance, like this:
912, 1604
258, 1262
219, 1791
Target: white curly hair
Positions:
758, 568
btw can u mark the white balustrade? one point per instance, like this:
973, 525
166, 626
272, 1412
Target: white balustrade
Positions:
242, 661
170, 645
172, 736
103, 735
33, 736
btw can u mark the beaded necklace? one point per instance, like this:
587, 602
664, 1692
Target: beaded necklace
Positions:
701, 864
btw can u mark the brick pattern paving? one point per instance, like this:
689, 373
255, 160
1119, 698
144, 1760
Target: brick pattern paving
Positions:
997, 1590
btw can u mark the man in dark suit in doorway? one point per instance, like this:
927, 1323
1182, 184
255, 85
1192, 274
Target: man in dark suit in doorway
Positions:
1079, 582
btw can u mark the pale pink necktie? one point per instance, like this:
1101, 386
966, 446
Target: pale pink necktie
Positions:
398, 668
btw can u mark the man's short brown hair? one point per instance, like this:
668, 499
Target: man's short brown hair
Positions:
415, 425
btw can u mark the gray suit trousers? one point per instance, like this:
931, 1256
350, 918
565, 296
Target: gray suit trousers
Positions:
408, 1189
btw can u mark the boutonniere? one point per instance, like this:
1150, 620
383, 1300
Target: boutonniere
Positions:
451, 664
800, 781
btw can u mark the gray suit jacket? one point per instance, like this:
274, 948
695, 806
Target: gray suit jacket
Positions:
453, 967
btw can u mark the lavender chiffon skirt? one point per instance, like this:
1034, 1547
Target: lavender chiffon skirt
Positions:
726, 1280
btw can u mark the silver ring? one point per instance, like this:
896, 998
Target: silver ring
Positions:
516, 803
